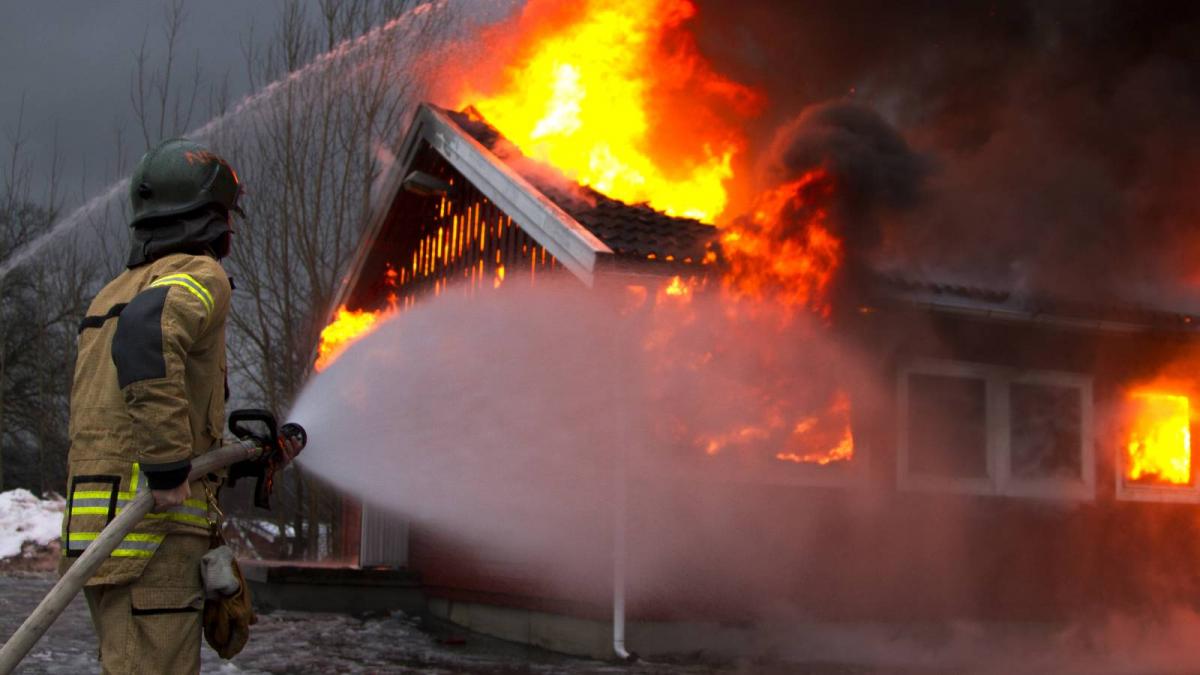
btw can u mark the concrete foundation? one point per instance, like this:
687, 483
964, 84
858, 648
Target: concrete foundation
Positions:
954, 645
593, 637
349, 590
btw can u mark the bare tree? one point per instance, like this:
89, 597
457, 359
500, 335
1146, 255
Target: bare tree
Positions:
334, 89
309, 157
161, 107
40, 307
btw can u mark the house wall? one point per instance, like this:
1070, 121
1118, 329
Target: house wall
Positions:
864, 549
834, 544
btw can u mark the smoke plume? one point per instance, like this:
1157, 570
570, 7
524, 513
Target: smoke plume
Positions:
1063, 136
873, 169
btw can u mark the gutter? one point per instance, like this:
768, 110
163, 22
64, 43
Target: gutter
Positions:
1026, 316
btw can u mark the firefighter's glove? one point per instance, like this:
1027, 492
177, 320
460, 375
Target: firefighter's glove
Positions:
227, 620
216, 570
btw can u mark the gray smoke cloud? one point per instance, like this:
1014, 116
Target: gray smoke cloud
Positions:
1062, 137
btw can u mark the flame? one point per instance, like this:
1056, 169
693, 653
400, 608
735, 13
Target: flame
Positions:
830, 431
347, 327
1159, 448
615, 94
822, 439
676, 287
786, 252
775, 418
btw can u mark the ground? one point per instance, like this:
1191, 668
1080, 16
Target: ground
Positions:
302, 642
289, 642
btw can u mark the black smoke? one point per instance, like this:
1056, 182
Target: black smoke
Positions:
1062, 139
873, 170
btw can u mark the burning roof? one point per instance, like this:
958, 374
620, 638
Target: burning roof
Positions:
581, 230
634, 233
587, 232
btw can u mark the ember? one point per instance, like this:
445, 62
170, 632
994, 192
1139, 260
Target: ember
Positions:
1159, 449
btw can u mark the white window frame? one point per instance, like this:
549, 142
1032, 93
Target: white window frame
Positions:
999, 481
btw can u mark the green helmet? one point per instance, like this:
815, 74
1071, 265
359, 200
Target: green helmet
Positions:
179, 176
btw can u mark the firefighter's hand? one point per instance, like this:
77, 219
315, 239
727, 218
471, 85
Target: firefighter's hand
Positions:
172, 497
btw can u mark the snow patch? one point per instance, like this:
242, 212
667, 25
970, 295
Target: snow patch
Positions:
24, 517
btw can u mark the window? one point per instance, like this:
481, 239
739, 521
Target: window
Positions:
1046, 431
983, 429
1154, 454
955, 444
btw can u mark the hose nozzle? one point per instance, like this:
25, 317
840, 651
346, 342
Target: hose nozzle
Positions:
294, 432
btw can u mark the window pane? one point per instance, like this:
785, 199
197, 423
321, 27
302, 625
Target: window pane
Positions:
1047, 431
947, 426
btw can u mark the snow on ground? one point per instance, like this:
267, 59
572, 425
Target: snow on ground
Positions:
25, 518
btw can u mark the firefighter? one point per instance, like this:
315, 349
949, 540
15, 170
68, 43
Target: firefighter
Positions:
148, 397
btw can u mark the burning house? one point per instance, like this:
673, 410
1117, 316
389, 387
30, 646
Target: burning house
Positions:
1015, 457
828, 432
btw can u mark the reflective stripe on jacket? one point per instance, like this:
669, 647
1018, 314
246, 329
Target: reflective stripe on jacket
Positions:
148, 396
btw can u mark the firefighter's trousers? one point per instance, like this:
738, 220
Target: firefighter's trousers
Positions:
153, 625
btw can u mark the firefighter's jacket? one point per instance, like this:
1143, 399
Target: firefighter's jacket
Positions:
148, 396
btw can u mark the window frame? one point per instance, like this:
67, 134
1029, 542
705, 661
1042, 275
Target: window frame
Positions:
999, 481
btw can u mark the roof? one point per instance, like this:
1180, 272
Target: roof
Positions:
1012, 305
634, 232
588, 232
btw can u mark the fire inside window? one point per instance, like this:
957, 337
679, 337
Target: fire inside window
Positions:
1158, 449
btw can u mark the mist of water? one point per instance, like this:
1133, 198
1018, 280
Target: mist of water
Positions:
503, 422
499, 428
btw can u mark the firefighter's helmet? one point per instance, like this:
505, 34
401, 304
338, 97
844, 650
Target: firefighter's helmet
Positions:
179, 176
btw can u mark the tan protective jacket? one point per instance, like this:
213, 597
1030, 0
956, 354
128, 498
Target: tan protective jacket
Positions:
148, 396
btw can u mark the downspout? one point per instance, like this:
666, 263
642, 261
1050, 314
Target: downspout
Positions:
618, 627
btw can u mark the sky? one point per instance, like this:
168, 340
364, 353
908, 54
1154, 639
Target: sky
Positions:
72, 63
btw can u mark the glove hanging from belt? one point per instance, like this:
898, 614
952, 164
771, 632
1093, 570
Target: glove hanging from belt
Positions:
228, 612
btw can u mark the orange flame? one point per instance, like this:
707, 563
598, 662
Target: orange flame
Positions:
819, 439
1159, 448
786, 251
347, 327
616, 96
830, 431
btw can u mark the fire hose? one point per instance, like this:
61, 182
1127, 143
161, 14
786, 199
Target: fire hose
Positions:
271, 451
